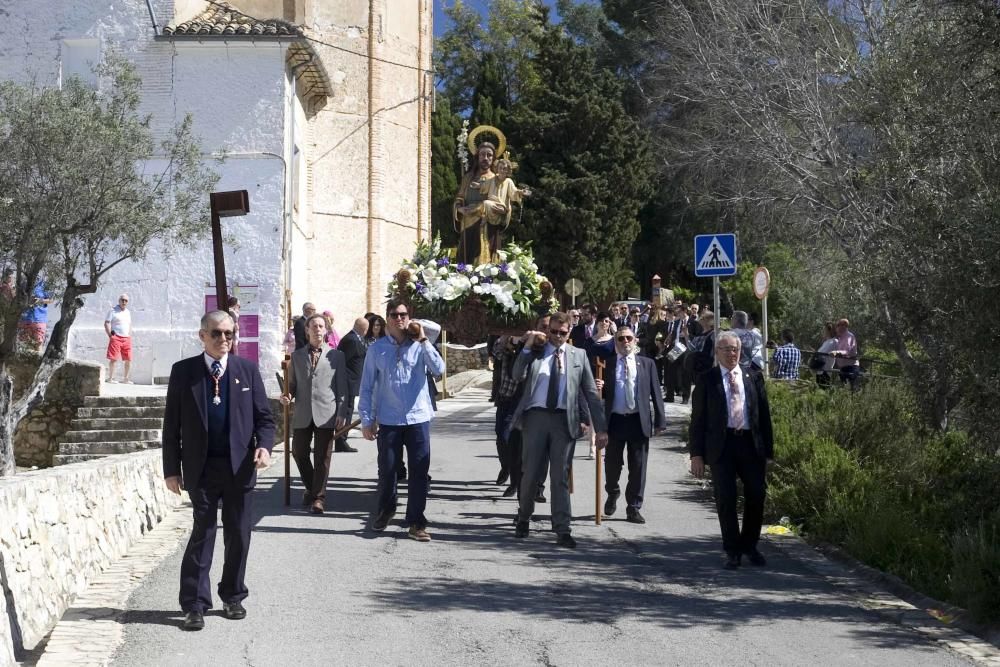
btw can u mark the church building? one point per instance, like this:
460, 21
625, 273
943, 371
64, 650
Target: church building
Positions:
321, 109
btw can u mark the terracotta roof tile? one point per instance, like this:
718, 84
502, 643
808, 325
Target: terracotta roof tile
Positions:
222, 19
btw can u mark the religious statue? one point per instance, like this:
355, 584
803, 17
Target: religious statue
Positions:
482, 208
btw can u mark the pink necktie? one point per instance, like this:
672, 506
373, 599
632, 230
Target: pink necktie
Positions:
735, 402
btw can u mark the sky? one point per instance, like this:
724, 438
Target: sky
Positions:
441, 21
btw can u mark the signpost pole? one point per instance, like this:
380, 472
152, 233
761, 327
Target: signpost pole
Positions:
715, 305
763, 312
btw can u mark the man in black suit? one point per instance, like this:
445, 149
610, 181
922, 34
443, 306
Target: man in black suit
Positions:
299, 326
634, 409
731, 431
217, 431
584, 331
354, 347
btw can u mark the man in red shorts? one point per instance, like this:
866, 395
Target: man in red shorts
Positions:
118, 325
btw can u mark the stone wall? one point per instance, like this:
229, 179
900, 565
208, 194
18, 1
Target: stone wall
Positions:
462, 358
38, 434
63, 525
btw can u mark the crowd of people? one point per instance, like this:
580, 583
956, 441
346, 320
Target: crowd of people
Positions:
604, 375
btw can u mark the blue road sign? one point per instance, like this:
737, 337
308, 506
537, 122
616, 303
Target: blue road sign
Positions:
714, 255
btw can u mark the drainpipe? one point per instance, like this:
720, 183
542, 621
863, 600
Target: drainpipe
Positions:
152, 18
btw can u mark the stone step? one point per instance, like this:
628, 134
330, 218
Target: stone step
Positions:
64, 459
123, 401
106, 448
134, 411
116, 423
122, 435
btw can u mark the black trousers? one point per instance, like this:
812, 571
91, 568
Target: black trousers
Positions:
625, 434
313, 473
740, 460
675, 381
217, 484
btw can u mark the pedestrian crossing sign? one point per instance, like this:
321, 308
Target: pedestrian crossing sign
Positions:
714, 255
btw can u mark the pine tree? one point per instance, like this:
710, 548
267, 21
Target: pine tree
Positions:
445, 168
589, 166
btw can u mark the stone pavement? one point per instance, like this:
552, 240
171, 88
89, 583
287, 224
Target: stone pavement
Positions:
324, 590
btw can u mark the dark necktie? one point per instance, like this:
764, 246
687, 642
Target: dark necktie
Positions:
314, 356
216, 374
552, 399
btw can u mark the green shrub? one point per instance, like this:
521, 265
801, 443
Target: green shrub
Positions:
860, 469
975, 572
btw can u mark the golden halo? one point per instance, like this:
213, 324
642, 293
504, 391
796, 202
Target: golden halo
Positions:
492, 130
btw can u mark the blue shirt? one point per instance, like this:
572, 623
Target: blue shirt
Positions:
38, 314
394, 382
787, 359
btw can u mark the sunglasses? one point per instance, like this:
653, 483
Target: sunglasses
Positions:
559, 332
219, 333
123, 300
398, 316
625, 339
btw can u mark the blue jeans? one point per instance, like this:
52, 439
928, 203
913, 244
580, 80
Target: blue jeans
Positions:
417, 440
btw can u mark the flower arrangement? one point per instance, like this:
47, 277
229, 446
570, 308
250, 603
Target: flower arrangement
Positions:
461, 151
511, 289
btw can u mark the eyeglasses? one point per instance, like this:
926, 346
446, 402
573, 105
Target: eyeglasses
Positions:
123, 300
219, 333
727, 348
559, 332
398, 316
625, 339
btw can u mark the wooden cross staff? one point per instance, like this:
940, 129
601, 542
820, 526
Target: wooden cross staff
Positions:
600, 453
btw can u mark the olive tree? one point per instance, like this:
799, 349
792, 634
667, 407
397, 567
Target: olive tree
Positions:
84, 187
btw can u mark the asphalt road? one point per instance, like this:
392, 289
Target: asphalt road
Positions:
325, 590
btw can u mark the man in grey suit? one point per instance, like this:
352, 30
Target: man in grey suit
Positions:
549, 418
317, 382
631, 402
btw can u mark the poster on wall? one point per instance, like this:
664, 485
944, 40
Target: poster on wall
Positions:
248, 345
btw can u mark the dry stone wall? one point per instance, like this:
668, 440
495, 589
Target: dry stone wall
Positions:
63, 525
38, 434
462, 358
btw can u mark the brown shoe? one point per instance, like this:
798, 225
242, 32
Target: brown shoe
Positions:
317, 507
419, 534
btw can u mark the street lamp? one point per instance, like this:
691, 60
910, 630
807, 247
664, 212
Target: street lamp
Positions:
224, 205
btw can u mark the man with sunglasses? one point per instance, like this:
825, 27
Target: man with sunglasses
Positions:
634, 409
217, 432
549, 418
395, 406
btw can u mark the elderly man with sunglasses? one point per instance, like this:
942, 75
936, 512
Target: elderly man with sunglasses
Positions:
395, 406
634, 409
549, 418
217, 431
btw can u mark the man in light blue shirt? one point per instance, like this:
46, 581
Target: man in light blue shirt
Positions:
395, 405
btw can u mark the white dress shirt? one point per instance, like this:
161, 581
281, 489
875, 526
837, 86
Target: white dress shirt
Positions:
625, 365
209, 360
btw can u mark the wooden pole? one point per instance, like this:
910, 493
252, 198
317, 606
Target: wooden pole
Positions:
345, 430
286, 409
599, 456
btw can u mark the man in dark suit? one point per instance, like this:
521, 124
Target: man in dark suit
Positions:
634, 410
299, 326
217, 431
549, 417
354, 347
731, 431
584, 331
317, 382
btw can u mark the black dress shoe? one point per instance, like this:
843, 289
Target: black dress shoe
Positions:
194, 620
503, 477
632, 516
539, 497
234, 611
347, 449
756, 558
732, 562
566, 540
382, 520
521, 529
509, 491
611, 504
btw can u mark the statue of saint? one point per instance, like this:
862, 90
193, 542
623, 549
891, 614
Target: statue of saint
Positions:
482, 208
